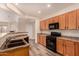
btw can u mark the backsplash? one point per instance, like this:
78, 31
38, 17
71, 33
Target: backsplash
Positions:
72, 33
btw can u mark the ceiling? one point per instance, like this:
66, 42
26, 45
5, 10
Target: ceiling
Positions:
31, 9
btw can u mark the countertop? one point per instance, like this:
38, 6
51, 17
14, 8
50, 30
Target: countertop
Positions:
75, 39
43, 33
65, 37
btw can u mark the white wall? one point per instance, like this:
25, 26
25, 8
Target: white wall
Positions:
9, 19
22, 24
37, 28
30, 28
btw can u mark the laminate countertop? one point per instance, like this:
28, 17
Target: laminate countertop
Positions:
75, 39
43, 34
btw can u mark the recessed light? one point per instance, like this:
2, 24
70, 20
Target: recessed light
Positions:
39, 12
16, 3
48, 5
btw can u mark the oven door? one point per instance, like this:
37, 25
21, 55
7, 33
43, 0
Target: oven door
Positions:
51, 43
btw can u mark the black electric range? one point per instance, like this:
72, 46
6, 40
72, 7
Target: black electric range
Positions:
51, 40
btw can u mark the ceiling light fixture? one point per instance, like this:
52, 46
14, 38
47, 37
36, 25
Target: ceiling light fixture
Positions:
39, 12
48, 5
16, 3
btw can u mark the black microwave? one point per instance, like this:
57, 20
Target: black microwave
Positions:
54, 26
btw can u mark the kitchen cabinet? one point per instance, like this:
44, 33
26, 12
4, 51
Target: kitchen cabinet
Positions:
71, 20
41, 22
69, 48
55, 19
60, 46
42, 25
46, 24
62, 21
66, 47
77, 48
41, 39
67, 21
78, 19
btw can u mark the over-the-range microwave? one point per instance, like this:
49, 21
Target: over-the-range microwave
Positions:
54, 26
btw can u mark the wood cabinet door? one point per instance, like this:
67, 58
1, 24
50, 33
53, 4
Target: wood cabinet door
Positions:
71, 20
78, 19
60, 46
47, 24
42, 25
62, 22
56, 19
77, 48
38, 39
69, 48
51, 20
43, 40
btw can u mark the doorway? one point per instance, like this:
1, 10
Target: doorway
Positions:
30, 28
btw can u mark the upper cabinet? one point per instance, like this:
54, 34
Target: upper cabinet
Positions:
78, 19
42, 25
55, 19
62, 22
67, 21
46, 24
71, 20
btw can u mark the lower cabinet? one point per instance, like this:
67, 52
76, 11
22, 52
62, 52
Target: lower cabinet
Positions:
77, 48
41, 39
60, 44
67, 47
